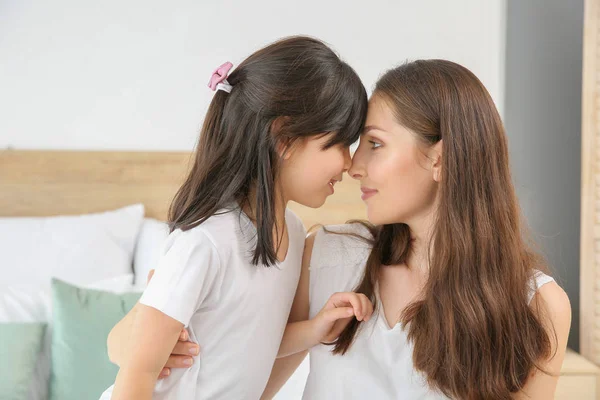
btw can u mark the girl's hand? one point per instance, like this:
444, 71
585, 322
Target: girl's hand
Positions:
184, 350
339, 310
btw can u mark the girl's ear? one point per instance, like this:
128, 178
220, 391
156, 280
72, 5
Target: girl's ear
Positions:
282, 144
436, 156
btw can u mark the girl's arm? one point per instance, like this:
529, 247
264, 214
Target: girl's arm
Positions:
118, 338
156, 334
301, 334
554, 304
285, 367
187, 274
118, 343
327, 325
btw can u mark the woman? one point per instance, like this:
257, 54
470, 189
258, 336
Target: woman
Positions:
464, 308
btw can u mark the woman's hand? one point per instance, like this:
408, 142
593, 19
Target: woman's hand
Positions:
184, 350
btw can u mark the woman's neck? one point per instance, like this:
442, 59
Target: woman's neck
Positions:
421, 232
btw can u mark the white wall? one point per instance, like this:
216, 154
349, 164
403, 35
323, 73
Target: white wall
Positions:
133, 74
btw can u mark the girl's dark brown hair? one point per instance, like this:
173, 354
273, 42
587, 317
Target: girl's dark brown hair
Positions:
299, 79
474, 334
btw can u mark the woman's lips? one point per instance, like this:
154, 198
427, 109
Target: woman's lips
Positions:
367, 192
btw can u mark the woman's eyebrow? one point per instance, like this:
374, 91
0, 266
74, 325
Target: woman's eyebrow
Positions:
369, 128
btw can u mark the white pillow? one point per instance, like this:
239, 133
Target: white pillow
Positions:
28, 303
78, 249
118, 284
148, 249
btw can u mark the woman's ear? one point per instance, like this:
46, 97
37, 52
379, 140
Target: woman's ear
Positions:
436, 156
281, 144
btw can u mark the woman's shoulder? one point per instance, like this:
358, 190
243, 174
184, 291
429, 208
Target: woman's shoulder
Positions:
551, 305
547, 295
357, 228
339, 245
541, 282
556, 299
339, 256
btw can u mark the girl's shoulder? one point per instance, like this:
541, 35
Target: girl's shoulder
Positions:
224, 231
294, 223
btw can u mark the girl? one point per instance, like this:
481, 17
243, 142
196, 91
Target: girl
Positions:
277, 130
464, 309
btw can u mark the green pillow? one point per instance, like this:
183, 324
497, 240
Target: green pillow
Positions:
82, 319
20, 345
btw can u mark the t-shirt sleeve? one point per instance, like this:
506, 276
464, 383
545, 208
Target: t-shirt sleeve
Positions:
184, 277
337, 262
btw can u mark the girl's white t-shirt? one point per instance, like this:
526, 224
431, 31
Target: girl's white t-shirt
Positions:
378, 365
237, 312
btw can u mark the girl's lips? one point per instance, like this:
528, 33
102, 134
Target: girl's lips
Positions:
331, 183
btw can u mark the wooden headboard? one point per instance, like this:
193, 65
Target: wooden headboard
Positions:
44, 183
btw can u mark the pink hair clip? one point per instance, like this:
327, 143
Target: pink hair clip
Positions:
218, 80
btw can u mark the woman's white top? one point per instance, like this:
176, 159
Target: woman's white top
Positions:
378, 365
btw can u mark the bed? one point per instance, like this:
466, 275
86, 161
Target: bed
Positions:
42, 186
53, 183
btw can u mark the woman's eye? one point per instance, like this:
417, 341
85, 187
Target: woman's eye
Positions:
374, 145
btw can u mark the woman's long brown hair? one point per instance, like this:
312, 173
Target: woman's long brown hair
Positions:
474, 334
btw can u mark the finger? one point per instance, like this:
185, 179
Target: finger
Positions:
363, 305
164, 373
186, 349
150, 275
357, 304
347, 297
367, 306
175, 361
184, 336
338, 328
339, 313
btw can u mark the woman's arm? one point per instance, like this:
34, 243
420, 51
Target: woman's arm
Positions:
156, 334
285, 367
555, 308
